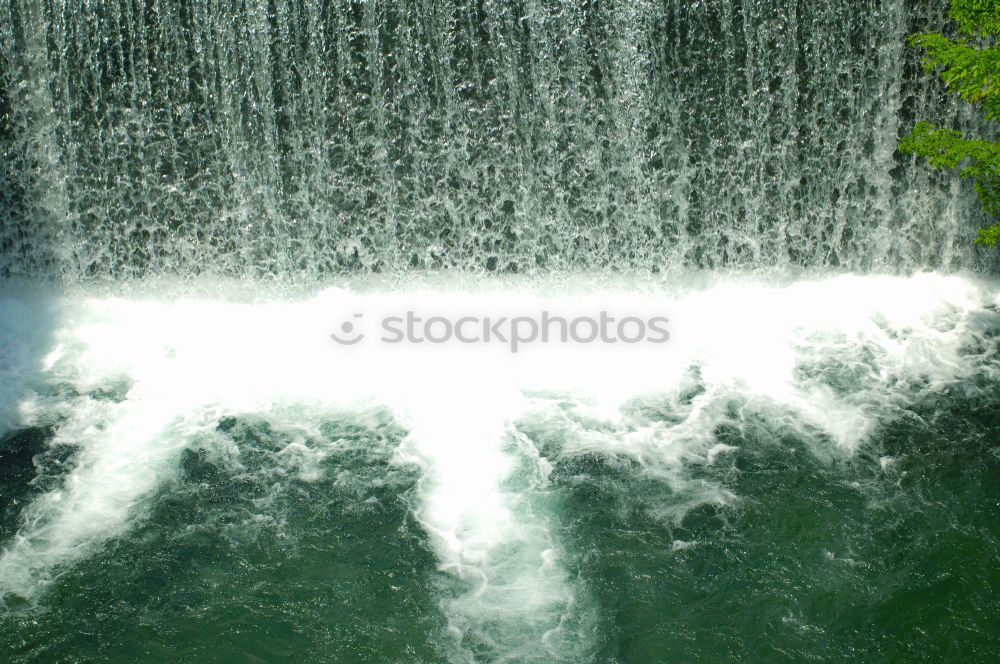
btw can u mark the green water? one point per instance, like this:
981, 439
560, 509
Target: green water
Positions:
846, 559
818, 561
247, 565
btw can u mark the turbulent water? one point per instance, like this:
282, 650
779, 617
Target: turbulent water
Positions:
195, 195
808, 469
312, 137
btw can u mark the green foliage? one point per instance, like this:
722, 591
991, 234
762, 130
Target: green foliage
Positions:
969, 65
976, 17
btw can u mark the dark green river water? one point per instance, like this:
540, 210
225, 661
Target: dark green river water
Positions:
168, 505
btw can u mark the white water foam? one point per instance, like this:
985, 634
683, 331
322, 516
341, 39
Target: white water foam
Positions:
186, 361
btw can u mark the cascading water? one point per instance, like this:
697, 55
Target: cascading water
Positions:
308, 138
194, 194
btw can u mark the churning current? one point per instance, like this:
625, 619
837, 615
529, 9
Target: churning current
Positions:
200, 201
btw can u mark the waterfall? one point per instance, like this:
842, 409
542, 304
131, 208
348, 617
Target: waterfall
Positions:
315, 137
217, 443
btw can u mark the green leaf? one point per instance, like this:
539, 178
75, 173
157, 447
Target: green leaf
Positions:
969, 65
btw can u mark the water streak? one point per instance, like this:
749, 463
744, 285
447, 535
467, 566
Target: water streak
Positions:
301, 138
